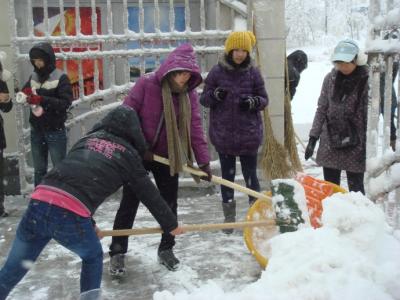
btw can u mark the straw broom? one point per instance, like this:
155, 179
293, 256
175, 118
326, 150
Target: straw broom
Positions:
279, 161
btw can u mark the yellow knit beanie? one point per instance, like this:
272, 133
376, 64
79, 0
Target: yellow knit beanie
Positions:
240, 40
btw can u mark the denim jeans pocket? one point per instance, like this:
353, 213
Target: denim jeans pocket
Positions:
28, 227
72, 229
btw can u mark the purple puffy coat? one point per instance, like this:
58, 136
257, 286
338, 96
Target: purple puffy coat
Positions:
233, 131
146, 98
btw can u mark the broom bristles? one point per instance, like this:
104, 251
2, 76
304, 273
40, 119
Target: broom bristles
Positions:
274, 159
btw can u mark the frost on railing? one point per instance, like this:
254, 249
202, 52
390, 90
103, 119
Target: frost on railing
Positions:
104, 46
383, 163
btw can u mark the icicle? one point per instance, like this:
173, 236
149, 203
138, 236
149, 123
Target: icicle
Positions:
30, 19
157, 17
125, 16
202, 16
171, 16
109, 18
187, 16
94, 17
62, 17
46, 18
77, 18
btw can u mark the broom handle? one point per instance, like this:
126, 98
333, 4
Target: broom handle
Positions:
188, 228
217, 180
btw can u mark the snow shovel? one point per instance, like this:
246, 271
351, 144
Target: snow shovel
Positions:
189, 228
218, 180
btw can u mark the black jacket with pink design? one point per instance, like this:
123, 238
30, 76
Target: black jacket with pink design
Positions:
109, 157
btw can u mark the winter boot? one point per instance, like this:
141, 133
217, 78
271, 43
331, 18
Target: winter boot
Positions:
117, 265
230, 215
167, 258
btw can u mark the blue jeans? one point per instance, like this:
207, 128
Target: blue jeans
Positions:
43, 143
249, 171
41, 223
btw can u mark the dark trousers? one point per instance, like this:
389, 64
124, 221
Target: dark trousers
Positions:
355, 181
43, 143
249, 171
1, 182
168, 187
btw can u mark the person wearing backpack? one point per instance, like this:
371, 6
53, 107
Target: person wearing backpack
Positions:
340, 122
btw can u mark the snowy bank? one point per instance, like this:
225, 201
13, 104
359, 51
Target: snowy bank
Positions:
353, 256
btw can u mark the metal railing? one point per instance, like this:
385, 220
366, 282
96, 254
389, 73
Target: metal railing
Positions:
108, 44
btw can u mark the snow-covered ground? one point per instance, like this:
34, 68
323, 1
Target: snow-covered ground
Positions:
355, 255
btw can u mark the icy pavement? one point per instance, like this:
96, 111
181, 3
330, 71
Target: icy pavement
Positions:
204, 256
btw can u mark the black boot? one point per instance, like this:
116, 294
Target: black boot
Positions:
229, 214
167, 258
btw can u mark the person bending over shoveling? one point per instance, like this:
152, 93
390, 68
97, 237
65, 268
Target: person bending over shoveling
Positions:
62, 206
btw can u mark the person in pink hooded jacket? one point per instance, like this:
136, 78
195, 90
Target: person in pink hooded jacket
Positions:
167, 105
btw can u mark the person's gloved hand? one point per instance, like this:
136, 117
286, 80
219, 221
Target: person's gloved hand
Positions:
206, 169
148, 155
312, 141
249, 103
34, 99
220, 94
27, 91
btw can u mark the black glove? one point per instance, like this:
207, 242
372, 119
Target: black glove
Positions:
148, 156
220, 94
249, 103
206, 169
310, 147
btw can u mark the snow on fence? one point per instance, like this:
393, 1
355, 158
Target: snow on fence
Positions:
383, 164
105, 45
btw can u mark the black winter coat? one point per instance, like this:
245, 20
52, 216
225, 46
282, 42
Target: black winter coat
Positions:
4, 107
56, 90
106, 159
297, 62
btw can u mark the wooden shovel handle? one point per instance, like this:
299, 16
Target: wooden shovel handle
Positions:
188, 228
217, 180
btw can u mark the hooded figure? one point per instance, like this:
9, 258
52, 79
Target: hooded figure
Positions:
167, 105
49, 90
61, 207
297, 63
235, 93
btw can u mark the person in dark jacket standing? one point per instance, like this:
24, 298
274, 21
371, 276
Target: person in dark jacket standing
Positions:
5, 106
61, 207
49, 93
297, 63
167, 104
340, 121
235, 93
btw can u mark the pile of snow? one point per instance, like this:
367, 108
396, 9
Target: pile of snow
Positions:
353, 256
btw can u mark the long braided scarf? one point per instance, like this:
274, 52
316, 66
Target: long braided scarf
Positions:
178, 140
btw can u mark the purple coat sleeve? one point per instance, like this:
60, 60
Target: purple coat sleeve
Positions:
198, 140
136, 95
207, 98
